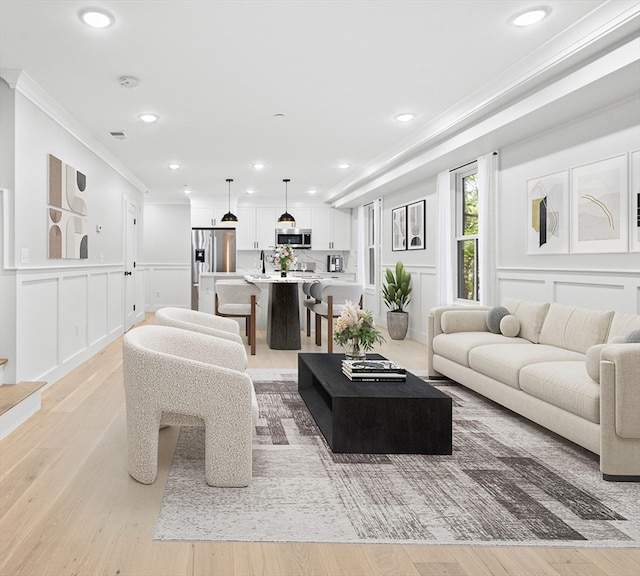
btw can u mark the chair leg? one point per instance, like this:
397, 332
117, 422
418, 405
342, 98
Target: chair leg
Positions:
308, 322
318, 320
253, 324
330, 324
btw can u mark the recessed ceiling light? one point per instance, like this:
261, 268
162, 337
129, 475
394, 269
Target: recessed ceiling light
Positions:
96, 18
344, 166
174, 166
405, 117
148, 118
187, 191
530, 17
312, 191
250, 191
258, 166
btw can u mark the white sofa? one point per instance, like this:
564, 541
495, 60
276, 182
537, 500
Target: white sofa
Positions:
568, 369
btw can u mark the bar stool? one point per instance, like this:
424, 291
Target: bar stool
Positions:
310, 301
332, 298
237, 299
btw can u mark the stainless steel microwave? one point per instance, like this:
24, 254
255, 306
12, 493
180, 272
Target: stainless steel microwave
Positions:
295, 237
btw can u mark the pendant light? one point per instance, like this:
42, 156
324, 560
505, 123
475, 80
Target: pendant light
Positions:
229, 217
286, 220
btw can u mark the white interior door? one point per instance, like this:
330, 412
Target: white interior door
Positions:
130, 254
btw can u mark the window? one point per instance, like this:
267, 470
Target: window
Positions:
370, 243
468, 285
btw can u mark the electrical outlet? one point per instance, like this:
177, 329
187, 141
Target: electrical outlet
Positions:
157, 294
24, 256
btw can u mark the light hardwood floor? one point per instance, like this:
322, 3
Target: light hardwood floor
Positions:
69, 507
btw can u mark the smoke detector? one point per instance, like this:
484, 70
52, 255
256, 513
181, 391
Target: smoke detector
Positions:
129, 82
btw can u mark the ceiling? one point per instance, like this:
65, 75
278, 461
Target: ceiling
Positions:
301, 86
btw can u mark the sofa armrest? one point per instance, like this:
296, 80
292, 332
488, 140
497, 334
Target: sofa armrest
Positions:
434, 327
620, 383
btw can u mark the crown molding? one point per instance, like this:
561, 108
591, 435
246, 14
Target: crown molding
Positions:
22, 83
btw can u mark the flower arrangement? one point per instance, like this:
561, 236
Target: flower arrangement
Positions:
356, 331
283, 256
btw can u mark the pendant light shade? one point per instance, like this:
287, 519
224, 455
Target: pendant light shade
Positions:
229, 217
286, 220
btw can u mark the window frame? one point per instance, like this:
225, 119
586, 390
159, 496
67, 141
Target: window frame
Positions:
459, 237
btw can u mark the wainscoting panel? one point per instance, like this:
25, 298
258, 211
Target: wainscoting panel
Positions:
37, 328
73, 317
98, 291
598, 290
167, 285
64, 316
115, 307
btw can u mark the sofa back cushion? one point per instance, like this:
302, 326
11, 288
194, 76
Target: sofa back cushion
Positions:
622, 325
531, 316
575, 328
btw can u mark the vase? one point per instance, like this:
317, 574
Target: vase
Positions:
283, 273
353, 351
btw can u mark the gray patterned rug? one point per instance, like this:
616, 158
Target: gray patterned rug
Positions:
507, 482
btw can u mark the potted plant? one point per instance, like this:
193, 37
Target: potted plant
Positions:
395, 292
356, 332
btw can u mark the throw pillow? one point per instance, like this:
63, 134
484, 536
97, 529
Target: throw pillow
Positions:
494, 316
633, 337
510, 326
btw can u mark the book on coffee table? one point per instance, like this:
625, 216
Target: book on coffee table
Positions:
371, 366
377, 377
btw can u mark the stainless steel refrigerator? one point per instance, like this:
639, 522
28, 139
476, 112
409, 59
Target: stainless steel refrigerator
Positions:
212, 250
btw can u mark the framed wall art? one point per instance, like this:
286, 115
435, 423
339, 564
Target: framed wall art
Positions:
599, 206
415, 226
399, 228
548, 214
634, 201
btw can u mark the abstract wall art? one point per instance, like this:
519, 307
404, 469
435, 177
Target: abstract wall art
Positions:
599, 206
548, 214
67, 211
415, 226
634, 204
399, 228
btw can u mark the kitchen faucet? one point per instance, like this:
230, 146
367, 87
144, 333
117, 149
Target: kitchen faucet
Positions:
262, 260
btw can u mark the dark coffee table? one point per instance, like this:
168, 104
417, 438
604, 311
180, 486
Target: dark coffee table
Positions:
409, 417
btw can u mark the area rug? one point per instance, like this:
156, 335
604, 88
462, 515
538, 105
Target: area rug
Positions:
508, 482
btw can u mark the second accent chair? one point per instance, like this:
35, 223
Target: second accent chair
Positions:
180, 377
238, 298
331, 298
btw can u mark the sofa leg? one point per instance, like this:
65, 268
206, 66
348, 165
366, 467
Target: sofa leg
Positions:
618, 478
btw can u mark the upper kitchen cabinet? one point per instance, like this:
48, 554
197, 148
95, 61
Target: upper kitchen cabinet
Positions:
303, 217
256, 228
331, 229
205, 216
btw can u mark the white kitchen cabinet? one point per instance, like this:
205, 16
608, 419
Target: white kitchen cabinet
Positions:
204, 216
303, 217
331, 229
256, 228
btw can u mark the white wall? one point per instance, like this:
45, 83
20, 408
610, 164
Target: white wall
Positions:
167, 260
600, 281
65, 310
605, 281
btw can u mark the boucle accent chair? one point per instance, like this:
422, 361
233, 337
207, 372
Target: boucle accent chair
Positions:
202, 322
179, 377
237, 298
331, 298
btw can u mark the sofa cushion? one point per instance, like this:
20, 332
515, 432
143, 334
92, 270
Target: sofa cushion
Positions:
510, 326
531, 316
574, 328
494, 316
456, 346
622, 324
565, 385
464, 321
503, 362
633, 337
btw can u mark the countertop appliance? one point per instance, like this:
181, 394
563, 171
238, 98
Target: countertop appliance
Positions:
295, 237
335, 263
212, 250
